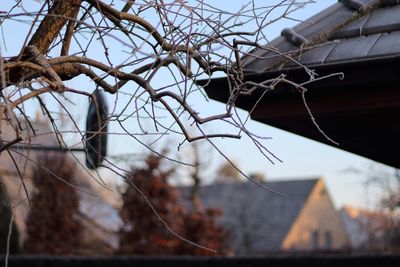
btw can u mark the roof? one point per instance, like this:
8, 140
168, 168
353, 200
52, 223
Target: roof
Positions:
359, 109
337, 35
258, 220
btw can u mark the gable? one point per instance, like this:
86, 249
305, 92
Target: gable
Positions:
257, 219
318, 226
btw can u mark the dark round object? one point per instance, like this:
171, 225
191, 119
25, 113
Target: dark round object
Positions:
96, 131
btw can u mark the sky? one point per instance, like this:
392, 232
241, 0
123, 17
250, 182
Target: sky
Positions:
345, 174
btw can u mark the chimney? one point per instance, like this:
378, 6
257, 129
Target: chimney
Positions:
258, 176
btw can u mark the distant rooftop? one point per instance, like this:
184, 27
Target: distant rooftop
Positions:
261, 217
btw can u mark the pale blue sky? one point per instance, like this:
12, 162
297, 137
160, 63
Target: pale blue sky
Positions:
301, 158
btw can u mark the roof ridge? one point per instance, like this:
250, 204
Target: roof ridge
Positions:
321, 37
324, 36
353, 4
278, 180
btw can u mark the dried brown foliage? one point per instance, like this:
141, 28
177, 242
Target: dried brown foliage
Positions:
202, 228
143, 233
52, 224
155, 222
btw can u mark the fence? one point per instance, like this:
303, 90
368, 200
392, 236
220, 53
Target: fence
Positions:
273, 261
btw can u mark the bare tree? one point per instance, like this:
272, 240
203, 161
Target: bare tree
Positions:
200, 157
391, 186
124, 48
145, 54
388, 183
380, 226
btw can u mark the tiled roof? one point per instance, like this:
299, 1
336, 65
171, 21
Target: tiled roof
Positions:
257, 219
339, 34
352, 53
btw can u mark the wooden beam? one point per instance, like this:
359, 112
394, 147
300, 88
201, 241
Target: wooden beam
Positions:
329, 104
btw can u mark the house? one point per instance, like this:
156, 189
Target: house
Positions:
261, 222
355, 45
98, 206
369, 230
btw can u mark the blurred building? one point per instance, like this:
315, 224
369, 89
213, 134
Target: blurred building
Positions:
370, 230
261, 222
98, 205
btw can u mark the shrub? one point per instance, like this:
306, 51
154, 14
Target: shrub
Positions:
144, 233
52, 223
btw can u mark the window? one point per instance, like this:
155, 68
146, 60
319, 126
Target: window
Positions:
328, 240
314, 239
